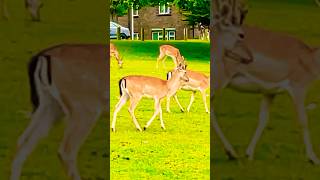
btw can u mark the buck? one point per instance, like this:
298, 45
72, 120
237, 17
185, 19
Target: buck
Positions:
135, 87
173, 52
197, 82
68, 81
115, 53
281, 64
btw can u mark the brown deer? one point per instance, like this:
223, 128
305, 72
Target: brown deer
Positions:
135, 87
70, 81
173, 52
115, 53
197, 82
281, 64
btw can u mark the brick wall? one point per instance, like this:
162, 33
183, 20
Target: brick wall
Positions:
149, 18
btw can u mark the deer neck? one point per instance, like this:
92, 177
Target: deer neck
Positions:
173, 85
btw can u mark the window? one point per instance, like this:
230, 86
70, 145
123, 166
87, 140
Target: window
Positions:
164, 9
135, 13
157, 34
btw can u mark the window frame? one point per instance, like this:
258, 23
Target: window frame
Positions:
166, 8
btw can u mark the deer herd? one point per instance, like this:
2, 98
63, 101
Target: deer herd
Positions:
70, 81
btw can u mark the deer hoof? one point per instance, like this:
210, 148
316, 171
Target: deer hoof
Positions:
144, 128
231, 155
113, 129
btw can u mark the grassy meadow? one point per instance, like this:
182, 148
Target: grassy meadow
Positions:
182, 150
62, 21
280, 153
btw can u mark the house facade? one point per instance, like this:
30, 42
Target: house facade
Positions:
154, 19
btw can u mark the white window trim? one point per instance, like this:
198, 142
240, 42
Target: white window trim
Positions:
168, 36
167, 8
137, 11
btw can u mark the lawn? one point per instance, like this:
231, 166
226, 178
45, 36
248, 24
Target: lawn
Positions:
280, 153
182, 150
63, 21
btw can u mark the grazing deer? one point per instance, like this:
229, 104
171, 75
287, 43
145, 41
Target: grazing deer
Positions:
281, 64
173, 52
135, 87
115, 53
197, 82
68, 81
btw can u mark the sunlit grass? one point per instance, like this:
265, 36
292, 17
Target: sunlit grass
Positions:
179, 152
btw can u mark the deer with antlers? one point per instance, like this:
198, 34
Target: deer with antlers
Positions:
68, 81
197, 82
115, 53
135, 87
280, 64
173, 52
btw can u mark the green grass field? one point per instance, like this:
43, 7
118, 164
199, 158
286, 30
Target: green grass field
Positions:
63, 21
280, 153
179, 152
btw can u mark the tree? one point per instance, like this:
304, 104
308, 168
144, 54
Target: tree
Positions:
196, 11
118, 8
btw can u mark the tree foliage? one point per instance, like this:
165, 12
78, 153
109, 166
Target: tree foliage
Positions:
196, 11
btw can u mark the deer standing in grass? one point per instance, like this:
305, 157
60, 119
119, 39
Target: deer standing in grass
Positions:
115, 53
281, 64
197, 82
135, 87
68, 81
173, 52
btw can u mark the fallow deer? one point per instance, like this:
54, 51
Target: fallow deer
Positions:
115, 53
173, 52
197, 82
281, 64
135, 87
68, 81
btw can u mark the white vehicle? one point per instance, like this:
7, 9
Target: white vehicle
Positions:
124, 32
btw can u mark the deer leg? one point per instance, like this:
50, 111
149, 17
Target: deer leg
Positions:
227, 146
42, 121
204, 98
161, 120
78, 127
156, 112
177, 100
298, 96
133, 105
168, 104
124, 98
191, 101
263, 119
